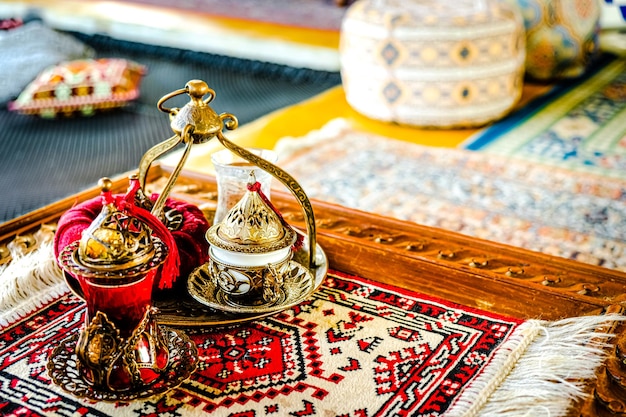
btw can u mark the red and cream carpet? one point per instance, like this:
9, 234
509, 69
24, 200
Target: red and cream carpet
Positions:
354, 348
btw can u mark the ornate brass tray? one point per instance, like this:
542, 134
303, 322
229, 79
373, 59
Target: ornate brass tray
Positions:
464, 270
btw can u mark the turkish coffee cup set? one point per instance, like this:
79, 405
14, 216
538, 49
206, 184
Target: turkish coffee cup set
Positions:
122, 351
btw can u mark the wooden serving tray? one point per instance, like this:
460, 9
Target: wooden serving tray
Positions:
462, 269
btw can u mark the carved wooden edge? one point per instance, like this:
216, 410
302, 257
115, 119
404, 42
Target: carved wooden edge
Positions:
459, 268
607, 394
556, 278
465, 270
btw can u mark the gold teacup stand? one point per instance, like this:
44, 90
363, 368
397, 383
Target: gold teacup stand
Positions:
197, 123
301, 275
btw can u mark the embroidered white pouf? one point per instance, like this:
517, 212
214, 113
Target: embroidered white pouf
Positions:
432, 63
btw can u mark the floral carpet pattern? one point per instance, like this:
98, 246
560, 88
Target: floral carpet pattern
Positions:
540, 207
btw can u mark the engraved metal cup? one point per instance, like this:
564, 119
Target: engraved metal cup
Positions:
250, 280
250, 250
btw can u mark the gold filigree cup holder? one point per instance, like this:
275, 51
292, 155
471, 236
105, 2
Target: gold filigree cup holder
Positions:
242, 286
197, 122
67, 362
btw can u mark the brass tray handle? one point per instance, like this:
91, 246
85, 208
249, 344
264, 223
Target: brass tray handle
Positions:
287, 180
197, 122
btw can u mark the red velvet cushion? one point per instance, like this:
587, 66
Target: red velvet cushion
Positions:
193, 248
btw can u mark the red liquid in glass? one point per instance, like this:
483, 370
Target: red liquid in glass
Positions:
125, 304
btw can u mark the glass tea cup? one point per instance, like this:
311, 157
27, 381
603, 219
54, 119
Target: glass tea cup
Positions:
232, 173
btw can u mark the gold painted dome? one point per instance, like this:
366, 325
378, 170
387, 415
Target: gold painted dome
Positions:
115, 245
251, 226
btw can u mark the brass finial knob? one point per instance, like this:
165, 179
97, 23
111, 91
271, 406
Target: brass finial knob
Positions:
197, 116
198, 89
105, 184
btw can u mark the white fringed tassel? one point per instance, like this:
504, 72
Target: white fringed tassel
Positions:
540, 378
35, 273
288, 146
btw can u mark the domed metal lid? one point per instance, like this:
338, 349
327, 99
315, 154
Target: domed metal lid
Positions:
116, 243
252, 226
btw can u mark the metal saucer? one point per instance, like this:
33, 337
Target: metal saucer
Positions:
298, 285
183, 359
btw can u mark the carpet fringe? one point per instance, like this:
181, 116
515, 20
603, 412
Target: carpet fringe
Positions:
33, 273
530, 369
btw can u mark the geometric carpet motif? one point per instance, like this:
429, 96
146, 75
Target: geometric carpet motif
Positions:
354, 348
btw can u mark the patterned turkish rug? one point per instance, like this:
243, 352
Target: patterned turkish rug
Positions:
580, 126
354, 348
549, 209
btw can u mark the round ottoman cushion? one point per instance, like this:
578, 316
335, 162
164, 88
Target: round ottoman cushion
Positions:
432, 63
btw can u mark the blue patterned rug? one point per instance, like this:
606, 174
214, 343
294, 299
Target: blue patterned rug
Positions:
580, 125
